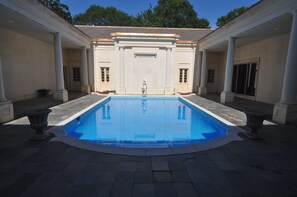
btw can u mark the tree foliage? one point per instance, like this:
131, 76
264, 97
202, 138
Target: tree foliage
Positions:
59, 8
97, 15
173, 13
231, 15
177, 13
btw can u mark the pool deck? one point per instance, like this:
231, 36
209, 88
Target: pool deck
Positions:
232, 135
240, 168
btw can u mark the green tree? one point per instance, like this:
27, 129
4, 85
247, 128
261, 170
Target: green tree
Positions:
59, 8
167, 13
231, 15
109, 16
173, 13
147, 18
176, 13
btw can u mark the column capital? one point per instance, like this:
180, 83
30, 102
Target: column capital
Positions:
57, 35
204, 51
294, 12
231, 39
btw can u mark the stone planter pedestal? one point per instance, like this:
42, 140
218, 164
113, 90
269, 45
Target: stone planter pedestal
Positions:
254, 122
38, 121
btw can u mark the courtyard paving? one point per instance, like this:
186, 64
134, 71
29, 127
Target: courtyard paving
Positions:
245, 168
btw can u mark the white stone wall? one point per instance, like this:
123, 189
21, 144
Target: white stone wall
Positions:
184, 58
105, 56
147, 64
27, 63
143, 63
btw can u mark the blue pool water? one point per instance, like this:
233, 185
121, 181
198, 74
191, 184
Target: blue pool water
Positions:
145, 122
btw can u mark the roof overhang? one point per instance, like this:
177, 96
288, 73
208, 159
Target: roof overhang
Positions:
264, 20
186, 43
32, 18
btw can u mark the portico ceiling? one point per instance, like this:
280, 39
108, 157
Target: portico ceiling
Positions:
275, 27
14, 21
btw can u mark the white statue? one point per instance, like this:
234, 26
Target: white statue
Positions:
144, 88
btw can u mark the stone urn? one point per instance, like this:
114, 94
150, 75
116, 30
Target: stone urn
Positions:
43, 92
38, 121
254, 122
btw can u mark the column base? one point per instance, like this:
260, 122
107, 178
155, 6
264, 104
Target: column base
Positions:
86, 89
202, 91
6, 111
226, 97
196, 90
61, 95
122, 90
283, 113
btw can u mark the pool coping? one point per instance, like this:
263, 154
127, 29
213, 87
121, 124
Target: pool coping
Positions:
60, 136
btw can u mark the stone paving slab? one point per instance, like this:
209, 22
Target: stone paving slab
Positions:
245, 168
61, 112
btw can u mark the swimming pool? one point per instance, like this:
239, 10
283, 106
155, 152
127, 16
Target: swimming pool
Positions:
145, 122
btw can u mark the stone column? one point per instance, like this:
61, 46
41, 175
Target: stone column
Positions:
91, 67
197, 73
60, 93
85, 81
227, 95
6, 107
168, 71
122, 89
286, 110
202, 88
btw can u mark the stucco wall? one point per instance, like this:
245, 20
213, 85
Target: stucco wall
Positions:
215, 60
185, 58
72, 59
145, 67
27, 64
141, 63
104, 56
271, 54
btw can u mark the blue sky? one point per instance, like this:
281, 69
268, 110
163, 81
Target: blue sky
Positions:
209, 9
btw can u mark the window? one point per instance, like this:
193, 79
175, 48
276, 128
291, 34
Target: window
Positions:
244, 78
65, 73
106, 112
181, 114
104, 74
76, 74
180, 75
211, 76
107, 74
183, 75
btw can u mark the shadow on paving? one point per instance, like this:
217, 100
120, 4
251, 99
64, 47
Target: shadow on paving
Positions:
242, 104
247, 168
20, 107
